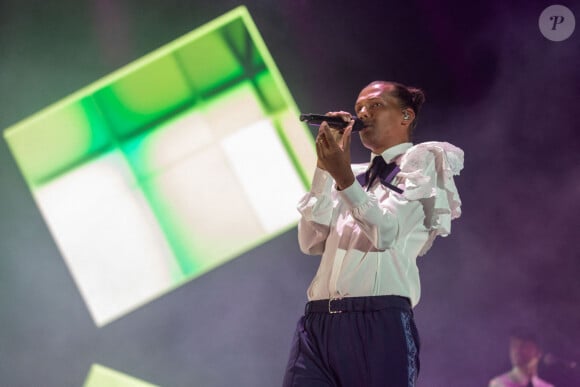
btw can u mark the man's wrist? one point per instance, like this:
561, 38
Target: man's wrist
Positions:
344, 183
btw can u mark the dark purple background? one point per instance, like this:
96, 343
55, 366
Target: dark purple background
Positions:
495, 87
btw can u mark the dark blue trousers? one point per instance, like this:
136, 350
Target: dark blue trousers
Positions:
371, 342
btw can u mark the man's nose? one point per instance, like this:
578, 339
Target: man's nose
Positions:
363, 113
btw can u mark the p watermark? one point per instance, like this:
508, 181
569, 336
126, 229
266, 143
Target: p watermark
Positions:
557, 23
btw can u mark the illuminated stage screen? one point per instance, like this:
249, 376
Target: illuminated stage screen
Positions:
169, 167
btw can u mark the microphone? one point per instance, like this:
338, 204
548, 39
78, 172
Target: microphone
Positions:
335, 122
549, 359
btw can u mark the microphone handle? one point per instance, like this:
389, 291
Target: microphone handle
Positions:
335, 122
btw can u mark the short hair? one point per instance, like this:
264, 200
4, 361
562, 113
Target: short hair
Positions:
524, 334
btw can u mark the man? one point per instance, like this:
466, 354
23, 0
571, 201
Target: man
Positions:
358, 327
525, 355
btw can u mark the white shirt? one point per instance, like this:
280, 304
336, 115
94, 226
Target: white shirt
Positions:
369, 240
516, 378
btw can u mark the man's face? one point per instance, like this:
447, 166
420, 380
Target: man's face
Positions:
382, 117
523, 352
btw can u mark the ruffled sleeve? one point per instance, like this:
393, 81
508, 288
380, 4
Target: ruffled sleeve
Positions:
428, 169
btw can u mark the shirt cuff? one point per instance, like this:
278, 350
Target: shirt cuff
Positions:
321, 182
354, 195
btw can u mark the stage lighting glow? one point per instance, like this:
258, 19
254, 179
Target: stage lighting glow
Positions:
101, 376
169, 167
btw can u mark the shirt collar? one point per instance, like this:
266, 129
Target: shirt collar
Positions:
394, 151
520, 377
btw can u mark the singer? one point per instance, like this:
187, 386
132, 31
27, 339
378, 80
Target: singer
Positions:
525, 355
370, 223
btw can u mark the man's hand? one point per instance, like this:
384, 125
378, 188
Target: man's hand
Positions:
333, 150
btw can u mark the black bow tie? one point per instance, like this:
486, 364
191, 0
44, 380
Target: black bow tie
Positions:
381, 170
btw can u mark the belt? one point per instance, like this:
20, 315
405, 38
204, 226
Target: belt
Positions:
357, 304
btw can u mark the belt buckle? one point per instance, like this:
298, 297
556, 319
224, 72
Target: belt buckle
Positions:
330, 310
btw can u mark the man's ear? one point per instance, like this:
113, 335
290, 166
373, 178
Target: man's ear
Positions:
408, 116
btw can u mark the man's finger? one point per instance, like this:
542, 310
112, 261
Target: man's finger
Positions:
329, 138
346, 137
319, 144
